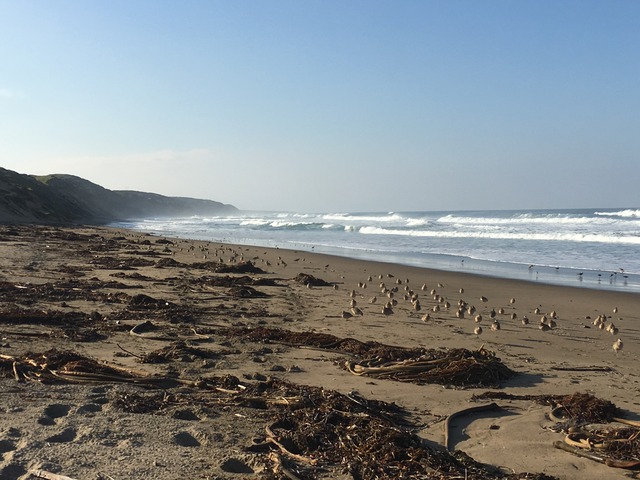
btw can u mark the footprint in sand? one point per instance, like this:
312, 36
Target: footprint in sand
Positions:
65, 436
8, 446
52, 412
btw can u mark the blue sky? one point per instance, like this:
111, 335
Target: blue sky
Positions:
329, 105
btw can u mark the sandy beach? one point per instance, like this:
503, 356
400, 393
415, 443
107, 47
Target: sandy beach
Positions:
185, 359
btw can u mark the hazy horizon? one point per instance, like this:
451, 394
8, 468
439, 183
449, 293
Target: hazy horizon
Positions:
357, 106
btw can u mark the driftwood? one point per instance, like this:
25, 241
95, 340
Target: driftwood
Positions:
48, 475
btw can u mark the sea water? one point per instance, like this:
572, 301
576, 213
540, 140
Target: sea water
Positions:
595, 248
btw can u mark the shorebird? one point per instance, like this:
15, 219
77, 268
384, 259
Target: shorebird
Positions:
426, 317
495, 325
346, 314
436, 308
357, 311
512, 301
484, 299
514, 316
416, 306
352, 294
423, 287
544, 327
461, 290
478, 318
537, 311
615, 309
460, 313
373, 300
617, 346
525, 320
386, 310
353, 302
501, 311
477, 330
553, 314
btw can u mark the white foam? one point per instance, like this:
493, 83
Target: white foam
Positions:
502, 235
628, 213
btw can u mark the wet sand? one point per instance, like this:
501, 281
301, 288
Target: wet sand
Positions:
211, 320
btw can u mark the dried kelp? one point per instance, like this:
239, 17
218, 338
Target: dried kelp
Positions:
120, 263
579, 408
364, 441
60, 365
310, 280
456, 367
66, 290
15, 315
219, 267
179, 350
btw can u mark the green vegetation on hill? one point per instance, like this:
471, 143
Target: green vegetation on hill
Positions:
69, 199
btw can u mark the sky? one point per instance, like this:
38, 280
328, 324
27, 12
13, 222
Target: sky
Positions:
329, 106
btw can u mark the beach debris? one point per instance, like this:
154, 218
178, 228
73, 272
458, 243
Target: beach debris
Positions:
46, 475
220, 267
307, 279
458, 367
365, 438
181, 351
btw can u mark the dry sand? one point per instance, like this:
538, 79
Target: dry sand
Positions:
92, 430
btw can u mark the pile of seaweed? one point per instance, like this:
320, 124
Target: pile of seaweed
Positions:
310, 280
457, 367
579, 408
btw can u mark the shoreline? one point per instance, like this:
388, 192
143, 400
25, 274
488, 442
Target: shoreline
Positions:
88, 269
593, 279
596, 280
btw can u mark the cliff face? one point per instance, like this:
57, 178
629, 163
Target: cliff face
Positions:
70, 199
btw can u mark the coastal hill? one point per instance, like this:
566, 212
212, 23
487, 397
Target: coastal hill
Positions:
69, 199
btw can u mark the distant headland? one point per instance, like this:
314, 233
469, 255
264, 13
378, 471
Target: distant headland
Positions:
64, 199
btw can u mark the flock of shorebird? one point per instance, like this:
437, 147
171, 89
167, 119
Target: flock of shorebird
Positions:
401, 289
439, 304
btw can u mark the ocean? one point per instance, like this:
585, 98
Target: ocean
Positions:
592, 248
